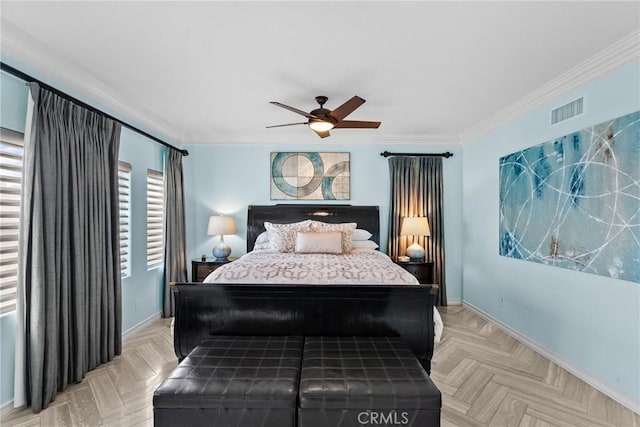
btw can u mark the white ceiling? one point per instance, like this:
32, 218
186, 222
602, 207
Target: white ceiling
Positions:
204, 72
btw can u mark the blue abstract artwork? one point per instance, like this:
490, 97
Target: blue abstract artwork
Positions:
310, 176
575, 202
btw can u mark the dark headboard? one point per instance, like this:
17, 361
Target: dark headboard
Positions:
367, 217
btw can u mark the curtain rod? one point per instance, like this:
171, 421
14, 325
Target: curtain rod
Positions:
446, 155
27, 78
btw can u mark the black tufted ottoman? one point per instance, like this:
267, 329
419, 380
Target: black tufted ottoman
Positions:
233, 381
364, 381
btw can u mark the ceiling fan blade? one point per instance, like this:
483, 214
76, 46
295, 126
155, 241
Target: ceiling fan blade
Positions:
357, 124
347, 108
288, 124
321, 134
295, 110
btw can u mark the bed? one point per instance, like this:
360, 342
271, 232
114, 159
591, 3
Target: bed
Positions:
271, 293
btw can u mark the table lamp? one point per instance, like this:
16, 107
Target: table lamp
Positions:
221, 225
415, 226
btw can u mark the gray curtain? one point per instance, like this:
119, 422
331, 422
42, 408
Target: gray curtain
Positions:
416, 190
69, 249
175, 258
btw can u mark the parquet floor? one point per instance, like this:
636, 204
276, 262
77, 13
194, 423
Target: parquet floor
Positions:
486, 378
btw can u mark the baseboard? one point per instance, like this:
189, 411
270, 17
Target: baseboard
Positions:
5, 408
134, 330
454, 301
618, 395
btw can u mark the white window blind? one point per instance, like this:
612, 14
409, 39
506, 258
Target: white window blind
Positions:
124, 188
155, 215
11, 149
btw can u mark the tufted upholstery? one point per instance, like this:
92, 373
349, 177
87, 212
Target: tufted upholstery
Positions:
354, 381
233, 381
244, 381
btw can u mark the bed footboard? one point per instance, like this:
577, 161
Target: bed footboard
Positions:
341, 310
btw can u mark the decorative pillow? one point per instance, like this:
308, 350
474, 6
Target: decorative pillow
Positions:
360, 234
282, 237
263, 238
319, 242
364, 244
346, 228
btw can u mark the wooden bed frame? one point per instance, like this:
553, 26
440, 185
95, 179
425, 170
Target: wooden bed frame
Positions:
278, 309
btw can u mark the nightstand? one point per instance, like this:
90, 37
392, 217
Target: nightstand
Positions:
423, 271
201, 269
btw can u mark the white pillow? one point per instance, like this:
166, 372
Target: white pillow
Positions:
319, 243
262, 238
360, 234
282, 237
347, 229
364, 244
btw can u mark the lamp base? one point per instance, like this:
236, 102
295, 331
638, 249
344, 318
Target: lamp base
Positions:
415, 252
221, 251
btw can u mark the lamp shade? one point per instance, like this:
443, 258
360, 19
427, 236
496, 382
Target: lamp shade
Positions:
415, 226
221, 225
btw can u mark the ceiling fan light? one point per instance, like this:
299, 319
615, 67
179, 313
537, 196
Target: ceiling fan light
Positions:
320, 125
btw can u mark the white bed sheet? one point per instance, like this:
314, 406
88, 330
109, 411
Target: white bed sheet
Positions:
361, 267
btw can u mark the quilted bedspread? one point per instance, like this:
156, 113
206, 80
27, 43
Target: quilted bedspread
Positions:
359, 267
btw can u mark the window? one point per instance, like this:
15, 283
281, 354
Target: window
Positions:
155, 215
11, 148
124, 188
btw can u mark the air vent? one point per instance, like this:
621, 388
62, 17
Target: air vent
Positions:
567, 111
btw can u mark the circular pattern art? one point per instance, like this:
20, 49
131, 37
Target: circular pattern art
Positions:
333, 178
310, 175
574, 202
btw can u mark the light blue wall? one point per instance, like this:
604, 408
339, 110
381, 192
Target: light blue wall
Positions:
592, 322
228, 178
142, 290
13, 110
13, 102
7, 355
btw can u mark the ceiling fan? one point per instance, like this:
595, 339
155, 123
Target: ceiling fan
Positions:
322, 120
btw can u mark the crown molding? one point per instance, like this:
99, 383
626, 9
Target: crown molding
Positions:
23, 48
352, 140
623, 52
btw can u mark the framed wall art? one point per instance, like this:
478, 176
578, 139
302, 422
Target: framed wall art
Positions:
310, 176
574, 202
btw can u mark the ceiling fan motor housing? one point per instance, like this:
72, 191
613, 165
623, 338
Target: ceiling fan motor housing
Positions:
321, 99
323, 113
